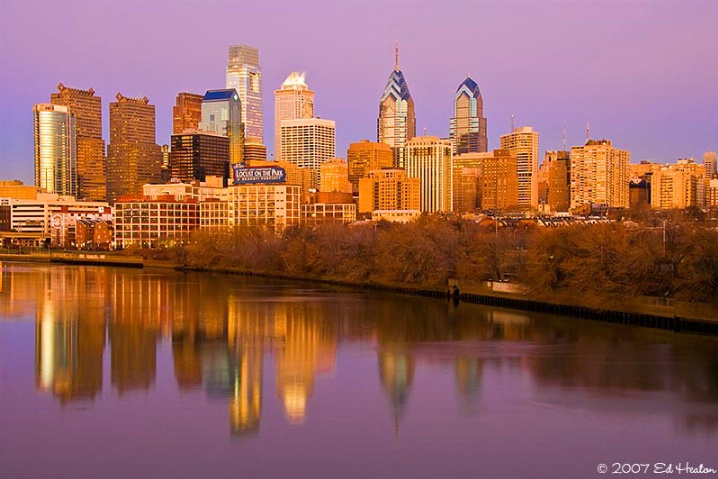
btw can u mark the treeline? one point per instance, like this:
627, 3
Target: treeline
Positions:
620, 259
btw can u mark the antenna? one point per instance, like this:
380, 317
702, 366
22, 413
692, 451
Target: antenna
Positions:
564, 135
396, 65
424, 131
588, 131
512, 123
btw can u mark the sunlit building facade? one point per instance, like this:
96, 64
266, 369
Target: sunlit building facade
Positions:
222, 114
91, 164
389, 189
430, 159
245, 76
187, 112
559, 180
599, 175
524, 144
293, 101
396, 124
197, 154
149, 223
308, 143
365, 156
334, 176
710, 163
55, 149
133, 156
467, 128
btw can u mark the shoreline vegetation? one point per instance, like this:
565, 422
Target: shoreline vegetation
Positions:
650, 268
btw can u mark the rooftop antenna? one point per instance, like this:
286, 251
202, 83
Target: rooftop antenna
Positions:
588, 131
512, 122
424, 131
396, 65
564, 135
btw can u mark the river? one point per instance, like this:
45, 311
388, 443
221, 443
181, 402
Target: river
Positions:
121, 373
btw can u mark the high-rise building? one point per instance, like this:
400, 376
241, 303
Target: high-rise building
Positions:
468, 126
308, 143
187, 112
559, 180
334, 176
497, 179
680, 185
133, 156
366, 156
389, 189
222, 113
254, 150
429, 159
293, 101
196, 155
245, 75
91, 167
396, 124
599, 175
55, 149
524, 144
710, 163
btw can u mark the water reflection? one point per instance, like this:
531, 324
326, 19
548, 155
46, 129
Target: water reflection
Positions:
223, 331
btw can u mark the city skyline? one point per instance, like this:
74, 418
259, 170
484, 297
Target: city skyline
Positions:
656, 97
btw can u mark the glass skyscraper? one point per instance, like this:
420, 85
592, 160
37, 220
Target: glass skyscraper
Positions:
468, 126
222, 113
245, 75
397, 122
55, 149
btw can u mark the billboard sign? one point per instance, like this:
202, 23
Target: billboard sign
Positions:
247, 175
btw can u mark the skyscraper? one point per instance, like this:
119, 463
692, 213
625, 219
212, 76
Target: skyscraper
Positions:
245, 75
293, 101
559, 180
187, 112
709, 161
366, 156
91, 167
429, 159
599, 174
388, 189
133, 156
55, 149
196, 154
468, 126
524, 144
397, 122
308, 143
222, 113
496, 177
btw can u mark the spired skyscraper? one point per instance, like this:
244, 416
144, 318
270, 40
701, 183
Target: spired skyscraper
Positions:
55, 149
397, 122
245, 75
468, 126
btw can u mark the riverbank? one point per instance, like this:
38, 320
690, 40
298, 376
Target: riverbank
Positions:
657, 313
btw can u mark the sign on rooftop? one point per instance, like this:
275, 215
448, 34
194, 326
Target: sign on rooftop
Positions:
245, 175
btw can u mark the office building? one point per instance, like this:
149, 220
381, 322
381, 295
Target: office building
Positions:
197, 154
680, 185
559, 180
254, 150
366, 156
55, 149
429, 159
389, 189
396, 124
149, 223
91, 164
468, 126
133, 156
187, 112
599, 175
222, 114
709, 161
497, 180
334, 177
245, 76
524, 144
308, 143
293, 101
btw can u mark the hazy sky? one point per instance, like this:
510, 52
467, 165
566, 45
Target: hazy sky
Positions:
643, 73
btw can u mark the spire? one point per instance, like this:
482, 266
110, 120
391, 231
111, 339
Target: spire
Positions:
396, 66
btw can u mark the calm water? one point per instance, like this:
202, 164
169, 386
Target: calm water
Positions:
116, 373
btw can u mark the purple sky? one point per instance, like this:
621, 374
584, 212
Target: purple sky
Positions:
644, 73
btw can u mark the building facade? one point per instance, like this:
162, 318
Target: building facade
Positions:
710, 162
366, 156
222, 114
396, 124
91, 162
680, 185
293, 101
149, 223
334, 176
245, 75
254, 150
389, 189
559, 180
599, 175
524, 144
308, 143
496, 176
430, 159
55, 149
187, 112
467, 128
195, 155
133, 156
